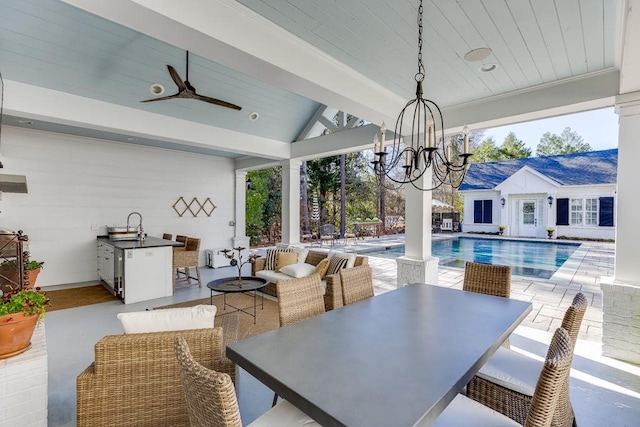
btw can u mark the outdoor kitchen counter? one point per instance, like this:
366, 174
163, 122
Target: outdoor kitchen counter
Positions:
148, 242
135, 270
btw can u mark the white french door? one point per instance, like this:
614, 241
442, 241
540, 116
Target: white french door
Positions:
528, 218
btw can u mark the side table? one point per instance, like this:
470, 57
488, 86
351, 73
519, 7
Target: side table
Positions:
229, 285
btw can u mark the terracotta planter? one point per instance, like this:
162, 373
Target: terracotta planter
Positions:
16, 331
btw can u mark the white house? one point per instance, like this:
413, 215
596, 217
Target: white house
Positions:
575, 194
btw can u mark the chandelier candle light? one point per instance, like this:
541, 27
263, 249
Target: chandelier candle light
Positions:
426, 147
228, 253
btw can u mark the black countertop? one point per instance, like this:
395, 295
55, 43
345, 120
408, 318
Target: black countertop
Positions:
148, 242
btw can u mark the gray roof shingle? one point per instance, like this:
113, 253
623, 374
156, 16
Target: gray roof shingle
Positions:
593, 167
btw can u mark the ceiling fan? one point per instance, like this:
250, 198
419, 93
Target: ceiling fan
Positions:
185, 90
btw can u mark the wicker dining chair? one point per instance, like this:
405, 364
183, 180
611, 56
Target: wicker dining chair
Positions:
211, 398
299, 299
357, 284
463, 411
487, 279
186, 259
507, 381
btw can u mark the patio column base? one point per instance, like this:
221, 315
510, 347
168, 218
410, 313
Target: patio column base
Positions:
417, 270
621, 320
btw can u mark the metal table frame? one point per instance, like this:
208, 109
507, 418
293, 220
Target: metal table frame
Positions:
229, 285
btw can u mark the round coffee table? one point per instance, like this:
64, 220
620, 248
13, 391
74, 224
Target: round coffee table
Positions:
229, 285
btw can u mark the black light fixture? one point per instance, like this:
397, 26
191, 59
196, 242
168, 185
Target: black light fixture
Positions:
249, 184
502, 201
550, 200
426, 146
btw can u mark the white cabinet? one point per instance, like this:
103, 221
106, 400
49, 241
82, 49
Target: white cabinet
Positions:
106, 265
147, 274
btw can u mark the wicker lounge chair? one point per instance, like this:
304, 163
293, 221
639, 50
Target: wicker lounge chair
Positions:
357, 284
506, 382
555, 372
135, 381
212, 402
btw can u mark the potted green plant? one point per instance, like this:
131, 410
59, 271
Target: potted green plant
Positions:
501, 229
550, 231
9, 271
20, 311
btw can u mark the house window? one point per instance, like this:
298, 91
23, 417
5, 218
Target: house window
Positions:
576, 211
606, 212
483, 211
591, 211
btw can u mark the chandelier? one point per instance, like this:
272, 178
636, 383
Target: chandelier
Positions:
410, 157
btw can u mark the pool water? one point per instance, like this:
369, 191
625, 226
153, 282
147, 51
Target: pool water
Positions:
526, 258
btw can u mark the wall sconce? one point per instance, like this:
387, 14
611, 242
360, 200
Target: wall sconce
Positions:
249, 184
502, 201
550, 200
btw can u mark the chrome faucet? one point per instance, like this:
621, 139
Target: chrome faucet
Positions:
140, 230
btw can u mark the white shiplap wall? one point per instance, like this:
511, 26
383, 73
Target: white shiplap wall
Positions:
77, 186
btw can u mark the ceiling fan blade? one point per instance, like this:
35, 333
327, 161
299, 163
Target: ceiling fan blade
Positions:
216, 101
176, 78
163, 98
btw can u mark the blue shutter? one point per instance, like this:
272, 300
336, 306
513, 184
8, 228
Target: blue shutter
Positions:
606, 212
477, 211
562, 211
487, 212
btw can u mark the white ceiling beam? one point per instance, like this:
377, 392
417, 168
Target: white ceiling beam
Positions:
345, 141
42, 104
568, 96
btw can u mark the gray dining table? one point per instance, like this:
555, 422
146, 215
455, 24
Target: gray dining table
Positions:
397, 359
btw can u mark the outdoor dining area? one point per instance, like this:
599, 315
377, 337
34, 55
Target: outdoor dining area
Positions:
419, 355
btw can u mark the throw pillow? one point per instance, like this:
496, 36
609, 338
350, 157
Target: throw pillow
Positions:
301, 251
298, 269
322, 268
271, 258
168, 319
351, 257
285, 258
336, 263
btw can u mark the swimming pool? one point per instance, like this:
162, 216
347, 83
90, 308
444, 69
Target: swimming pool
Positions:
526, 258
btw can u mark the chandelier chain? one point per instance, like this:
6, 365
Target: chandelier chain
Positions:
420, 75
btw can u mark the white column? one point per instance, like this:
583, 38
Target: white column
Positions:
621, 293
418, 266
291, 201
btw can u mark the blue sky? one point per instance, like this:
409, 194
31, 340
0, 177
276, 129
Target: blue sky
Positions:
598, 128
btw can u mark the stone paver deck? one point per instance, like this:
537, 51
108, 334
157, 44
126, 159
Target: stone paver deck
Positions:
550, 298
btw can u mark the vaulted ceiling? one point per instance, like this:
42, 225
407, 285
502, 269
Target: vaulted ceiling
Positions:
82, 67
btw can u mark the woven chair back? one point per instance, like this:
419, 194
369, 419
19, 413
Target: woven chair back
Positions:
210, 395
167, 236
192, 244
554, 374
487, 279
180, 238
299, 299
357, 284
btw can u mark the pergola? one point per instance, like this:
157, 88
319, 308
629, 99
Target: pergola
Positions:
298, 64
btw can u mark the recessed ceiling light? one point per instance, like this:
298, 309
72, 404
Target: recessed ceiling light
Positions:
156, 89
488, 67
475, 55
132, 139
254, 116
25, 122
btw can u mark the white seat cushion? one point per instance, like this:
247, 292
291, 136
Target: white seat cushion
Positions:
297, 270
273, 276
168, 319
512, 370
284, 414
463, 411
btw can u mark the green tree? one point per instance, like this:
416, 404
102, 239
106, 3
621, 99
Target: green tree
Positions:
567, 142
263, 205
514, 148
486, 152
